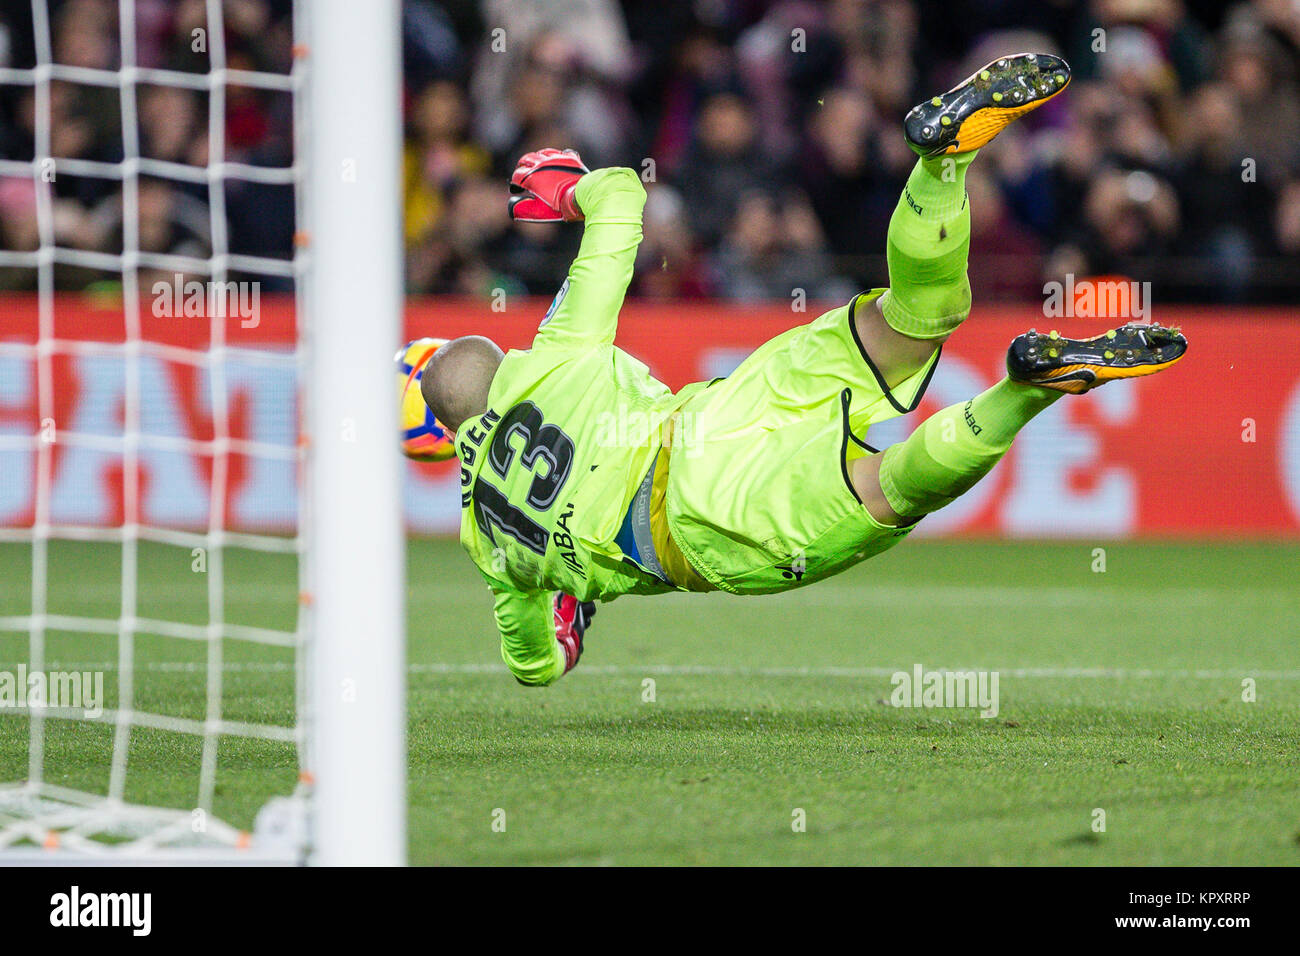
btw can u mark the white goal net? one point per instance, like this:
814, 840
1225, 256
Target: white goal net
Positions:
183, 590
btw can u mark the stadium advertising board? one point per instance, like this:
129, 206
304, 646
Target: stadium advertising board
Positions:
1152, 457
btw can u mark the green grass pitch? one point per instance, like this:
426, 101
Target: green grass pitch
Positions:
1120, 691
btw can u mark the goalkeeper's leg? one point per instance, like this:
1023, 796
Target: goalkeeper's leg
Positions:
929, 232
958, 446
929, 295
947, 454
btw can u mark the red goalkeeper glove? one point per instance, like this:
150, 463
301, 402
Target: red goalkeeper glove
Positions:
543, 184
572, 618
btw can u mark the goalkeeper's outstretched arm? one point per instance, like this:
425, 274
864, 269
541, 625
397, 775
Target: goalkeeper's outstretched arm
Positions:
585, 311
528, 644
541, 632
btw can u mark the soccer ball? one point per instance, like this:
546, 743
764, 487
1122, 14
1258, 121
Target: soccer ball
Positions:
423, 437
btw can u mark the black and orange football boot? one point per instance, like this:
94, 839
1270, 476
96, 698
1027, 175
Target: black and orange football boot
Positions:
981, 106
1077, 365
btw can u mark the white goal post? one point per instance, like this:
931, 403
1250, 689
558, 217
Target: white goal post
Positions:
348, 807
355, 304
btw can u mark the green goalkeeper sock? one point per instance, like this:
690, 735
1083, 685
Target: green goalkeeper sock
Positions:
927, 247
958, 446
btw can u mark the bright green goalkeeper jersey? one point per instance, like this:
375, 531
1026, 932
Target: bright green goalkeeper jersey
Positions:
758, 500
572, 427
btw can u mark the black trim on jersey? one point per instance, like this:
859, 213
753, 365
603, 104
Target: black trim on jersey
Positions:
880, 379
846, 398
845, 401
858, 441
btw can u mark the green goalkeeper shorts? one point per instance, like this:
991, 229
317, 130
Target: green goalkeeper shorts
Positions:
758, 494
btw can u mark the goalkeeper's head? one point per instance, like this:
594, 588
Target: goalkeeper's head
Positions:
457, 377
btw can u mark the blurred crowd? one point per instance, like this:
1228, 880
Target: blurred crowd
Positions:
768, 133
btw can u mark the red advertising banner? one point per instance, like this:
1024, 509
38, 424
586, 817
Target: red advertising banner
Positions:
1209, 448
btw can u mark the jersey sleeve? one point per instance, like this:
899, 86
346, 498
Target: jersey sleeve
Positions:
585, 311
527, 625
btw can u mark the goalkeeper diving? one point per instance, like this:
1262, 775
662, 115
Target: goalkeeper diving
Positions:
772, 486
